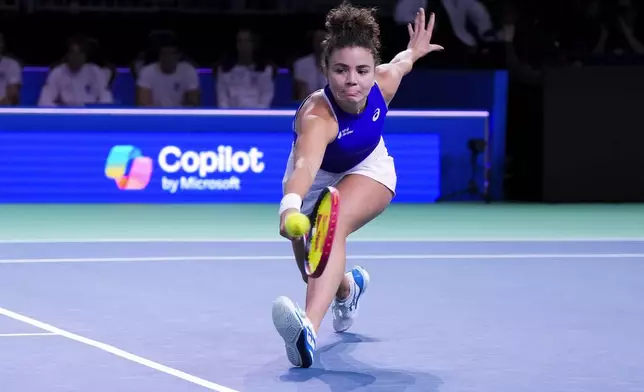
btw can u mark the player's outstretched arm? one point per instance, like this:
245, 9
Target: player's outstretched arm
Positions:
315, 131
390, 75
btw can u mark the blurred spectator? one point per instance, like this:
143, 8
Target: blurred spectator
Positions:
470, 20
462, 27
10, 77
307, 70
245, 80
605, 32
615, 29
523, 69
75, 82
96, 55
170, 81
405, 11
150, 52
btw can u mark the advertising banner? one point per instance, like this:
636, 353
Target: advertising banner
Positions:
103, 158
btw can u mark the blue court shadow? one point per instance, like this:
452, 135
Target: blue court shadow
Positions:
358, 375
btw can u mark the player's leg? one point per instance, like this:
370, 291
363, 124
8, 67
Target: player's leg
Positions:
362, 199
291, 322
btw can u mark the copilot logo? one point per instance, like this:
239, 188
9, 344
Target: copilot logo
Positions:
129, 169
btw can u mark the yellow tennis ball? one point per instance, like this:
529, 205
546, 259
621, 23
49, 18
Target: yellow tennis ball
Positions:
297, 224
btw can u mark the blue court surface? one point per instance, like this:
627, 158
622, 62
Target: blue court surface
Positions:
439, 316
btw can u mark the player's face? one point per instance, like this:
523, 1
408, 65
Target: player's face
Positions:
351, 74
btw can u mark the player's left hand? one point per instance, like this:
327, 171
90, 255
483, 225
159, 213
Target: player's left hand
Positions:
420, 35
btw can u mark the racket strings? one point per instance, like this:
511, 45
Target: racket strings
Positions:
323, 221
316, 241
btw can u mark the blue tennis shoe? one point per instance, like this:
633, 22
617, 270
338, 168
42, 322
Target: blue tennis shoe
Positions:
346, 311
297, 331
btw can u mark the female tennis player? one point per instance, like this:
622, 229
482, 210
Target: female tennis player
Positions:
338, 142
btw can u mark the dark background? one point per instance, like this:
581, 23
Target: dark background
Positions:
574, 122
594, 134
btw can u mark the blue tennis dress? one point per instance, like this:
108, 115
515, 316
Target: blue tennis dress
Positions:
358, 134
358, 148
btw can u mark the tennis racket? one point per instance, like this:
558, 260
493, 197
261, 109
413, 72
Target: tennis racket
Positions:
319, 241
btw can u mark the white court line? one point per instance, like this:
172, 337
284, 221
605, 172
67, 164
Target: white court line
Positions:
276, 240
118, 352
17, 335
471, 256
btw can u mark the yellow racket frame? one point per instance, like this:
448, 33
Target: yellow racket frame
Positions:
324, 220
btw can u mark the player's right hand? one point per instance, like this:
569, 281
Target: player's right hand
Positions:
283, 217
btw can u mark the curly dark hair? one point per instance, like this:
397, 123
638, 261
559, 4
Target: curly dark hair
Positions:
349, 26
